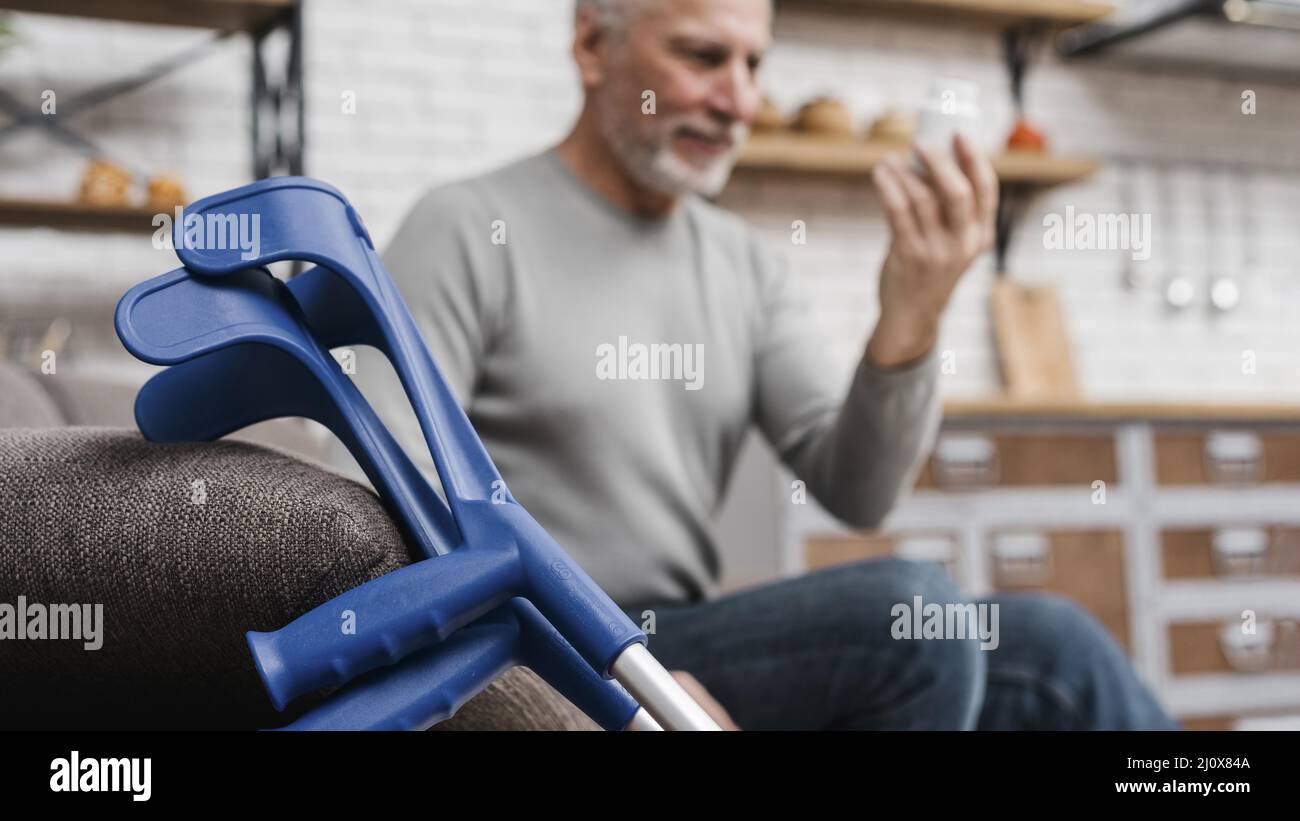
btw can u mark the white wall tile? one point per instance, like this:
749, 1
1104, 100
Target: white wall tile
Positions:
448, 88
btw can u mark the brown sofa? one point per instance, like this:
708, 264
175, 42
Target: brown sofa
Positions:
186, 547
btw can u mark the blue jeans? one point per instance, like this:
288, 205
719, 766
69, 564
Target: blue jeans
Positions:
817, 652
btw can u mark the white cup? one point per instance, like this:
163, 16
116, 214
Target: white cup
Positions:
950, 108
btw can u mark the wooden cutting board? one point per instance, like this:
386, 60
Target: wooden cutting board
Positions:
1033, 348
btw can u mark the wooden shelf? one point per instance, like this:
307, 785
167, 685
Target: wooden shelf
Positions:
223, 15
998, 407
1056, 13
75, 215
851, 156
1043, 169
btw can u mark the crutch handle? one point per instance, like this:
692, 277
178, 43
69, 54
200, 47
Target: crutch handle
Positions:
380, 622
430, 685
425, 688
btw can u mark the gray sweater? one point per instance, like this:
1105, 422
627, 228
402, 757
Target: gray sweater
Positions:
613, 364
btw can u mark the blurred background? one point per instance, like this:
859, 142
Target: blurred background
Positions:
1123, 423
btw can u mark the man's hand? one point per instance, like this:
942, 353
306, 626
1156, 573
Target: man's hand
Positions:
938, 227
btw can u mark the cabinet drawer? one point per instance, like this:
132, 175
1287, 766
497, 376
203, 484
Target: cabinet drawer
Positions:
1227, 456
1225, 647
1086, 566
1243, 721
1231, 552
973, 460
831, 549
1209, 723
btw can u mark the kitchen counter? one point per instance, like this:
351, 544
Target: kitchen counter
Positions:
1004, 407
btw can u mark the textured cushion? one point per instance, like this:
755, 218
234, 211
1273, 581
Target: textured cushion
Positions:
23, 401
186, 547
519, 700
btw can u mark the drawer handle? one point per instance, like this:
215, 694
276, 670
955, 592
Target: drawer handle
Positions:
1240, 551
1248, 652
1021, 559
1233, 456
937, 549
965, 460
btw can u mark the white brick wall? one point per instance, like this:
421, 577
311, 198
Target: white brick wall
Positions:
447, 88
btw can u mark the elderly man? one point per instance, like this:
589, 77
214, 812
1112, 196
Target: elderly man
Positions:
528, 280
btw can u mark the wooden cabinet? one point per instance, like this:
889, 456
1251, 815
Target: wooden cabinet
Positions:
1086, 566
1231, 552
1244, 720
1199, 523
970, 459
1235, 646
824, 550
828, 550
1226, 456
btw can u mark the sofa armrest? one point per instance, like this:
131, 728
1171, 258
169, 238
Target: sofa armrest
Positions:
186, 547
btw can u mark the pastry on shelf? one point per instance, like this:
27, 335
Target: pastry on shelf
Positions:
892, 127
105, 183
1025, 137
769, 117
166, 193
825, 116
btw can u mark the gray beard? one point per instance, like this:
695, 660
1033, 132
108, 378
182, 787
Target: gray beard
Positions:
655, 166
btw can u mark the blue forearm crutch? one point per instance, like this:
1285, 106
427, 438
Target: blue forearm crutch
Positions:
240, 355
399, 636
506, 552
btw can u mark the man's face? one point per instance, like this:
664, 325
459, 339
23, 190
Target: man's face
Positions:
700, 58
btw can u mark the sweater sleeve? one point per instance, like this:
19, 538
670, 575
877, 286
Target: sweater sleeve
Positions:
856, 451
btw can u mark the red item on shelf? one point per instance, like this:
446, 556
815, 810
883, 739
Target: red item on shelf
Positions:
1025, 137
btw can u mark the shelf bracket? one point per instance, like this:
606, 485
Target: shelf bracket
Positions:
21, 116
1008, 213
278, 116
1018, 46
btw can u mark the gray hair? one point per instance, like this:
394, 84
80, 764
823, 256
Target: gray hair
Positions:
614, 14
